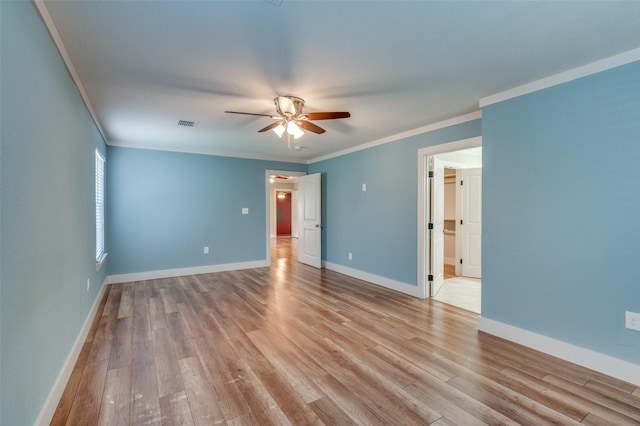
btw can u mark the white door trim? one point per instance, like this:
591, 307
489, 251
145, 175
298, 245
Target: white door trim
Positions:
423, 248
268, 194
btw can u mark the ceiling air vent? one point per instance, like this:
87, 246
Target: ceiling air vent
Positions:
187, 123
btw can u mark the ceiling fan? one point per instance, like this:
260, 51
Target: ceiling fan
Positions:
291, 118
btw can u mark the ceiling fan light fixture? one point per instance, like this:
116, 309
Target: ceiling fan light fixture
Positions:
291, 118
279, 130
294, 130
289, 106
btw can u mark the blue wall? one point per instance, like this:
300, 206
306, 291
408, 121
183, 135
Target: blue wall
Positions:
378, 226
164, 207
561, 199
47, 214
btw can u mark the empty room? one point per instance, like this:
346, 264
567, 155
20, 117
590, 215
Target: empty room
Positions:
256, 212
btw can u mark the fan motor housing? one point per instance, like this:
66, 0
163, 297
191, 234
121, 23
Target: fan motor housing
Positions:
289, 106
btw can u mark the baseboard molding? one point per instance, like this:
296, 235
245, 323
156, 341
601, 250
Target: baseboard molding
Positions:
597, 361
179, 272
405, 288
450, 261
50, 405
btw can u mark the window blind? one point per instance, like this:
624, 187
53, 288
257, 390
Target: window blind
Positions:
99, 206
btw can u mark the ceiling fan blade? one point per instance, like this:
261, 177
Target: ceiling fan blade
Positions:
310, 127
269, 127
251, 113
326, 115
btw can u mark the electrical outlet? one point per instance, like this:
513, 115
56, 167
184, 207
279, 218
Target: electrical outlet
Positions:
88, 283
206, 250
632, 320
350, 256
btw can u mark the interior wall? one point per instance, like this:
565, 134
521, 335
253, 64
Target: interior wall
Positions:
165, 207
47, 210
560, 227
378, 226
272, 203
283, 215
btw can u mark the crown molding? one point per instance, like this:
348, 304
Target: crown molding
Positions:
41, 7
205, 152
403, 135
564, 77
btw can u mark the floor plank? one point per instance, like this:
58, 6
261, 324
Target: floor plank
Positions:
144, 385
293, 344
116, 399
88, 400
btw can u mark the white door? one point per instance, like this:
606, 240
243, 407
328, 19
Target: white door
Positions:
309, 214
471, 228
436, 208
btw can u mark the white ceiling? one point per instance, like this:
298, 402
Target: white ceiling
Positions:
395, 65
464, 159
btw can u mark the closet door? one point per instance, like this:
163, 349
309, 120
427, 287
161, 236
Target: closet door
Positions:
471, 227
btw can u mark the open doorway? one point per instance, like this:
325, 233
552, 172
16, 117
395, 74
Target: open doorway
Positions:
462, 233
450, 226
284, 211
281, 183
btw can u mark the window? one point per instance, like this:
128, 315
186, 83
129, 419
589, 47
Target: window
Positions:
100, 254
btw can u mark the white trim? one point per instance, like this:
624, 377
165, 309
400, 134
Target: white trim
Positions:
403, 135
41, 7
605, 364
423, 250
564, 77
405, 288
51, 403
179, 272
205, 152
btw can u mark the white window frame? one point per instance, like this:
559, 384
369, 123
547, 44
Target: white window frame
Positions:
101, 255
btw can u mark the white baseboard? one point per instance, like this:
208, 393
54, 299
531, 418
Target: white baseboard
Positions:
597, 361
179, 272
405, 288
450, 261
50, 405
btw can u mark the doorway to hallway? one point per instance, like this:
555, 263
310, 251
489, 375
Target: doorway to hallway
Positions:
283, 214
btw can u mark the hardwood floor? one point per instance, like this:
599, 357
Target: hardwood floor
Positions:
292, 344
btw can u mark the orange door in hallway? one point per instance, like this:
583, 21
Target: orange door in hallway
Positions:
283, 212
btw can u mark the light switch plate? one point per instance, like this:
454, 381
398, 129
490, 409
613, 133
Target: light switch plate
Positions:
245, 210
632, 320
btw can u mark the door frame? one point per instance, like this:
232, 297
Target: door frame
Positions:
268, 195
423, 203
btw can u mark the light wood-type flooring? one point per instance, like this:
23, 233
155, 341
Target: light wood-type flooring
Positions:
292, 344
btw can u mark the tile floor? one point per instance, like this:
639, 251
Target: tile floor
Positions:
461, 292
